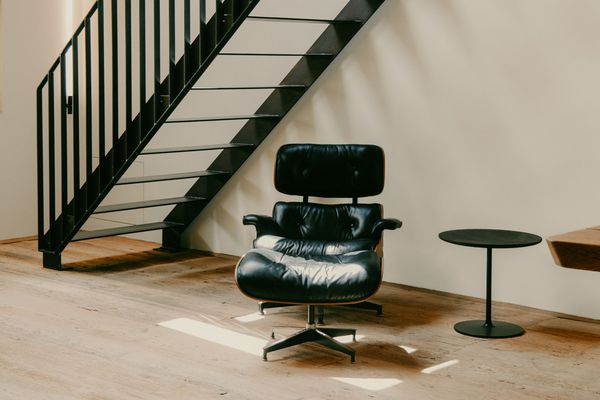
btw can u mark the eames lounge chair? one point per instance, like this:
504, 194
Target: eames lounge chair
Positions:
319, 254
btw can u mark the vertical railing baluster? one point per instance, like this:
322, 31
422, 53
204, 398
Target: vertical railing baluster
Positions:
115, 85
187, 39
172, 59
51, 157
142, 26
232, 9
64, 173
202, 32
128, 78
101, 84
219, 19
76, 127
157, 58
40, 165
88, 109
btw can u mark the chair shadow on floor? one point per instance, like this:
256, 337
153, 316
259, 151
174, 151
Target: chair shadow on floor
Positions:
372, 355
387, 343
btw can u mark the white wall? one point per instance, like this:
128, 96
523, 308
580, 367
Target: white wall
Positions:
489, 115
33, 33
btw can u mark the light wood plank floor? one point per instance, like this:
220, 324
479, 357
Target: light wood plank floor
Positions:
93, 333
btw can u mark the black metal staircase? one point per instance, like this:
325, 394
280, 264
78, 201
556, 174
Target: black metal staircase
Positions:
72, 186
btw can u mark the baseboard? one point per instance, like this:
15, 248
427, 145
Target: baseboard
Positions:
19, 239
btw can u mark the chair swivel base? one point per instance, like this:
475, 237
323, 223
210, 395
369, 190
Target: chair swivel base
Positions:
323, 336
365, 305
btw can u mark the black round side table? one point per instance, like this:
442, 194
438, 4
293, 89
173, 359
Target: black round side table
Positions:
489, 239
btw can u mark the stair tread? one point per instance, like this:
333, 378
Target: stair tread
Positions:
187, 149
146, 204
304, 20
169, 177
124, 230
226, 118
280, 54
249, 87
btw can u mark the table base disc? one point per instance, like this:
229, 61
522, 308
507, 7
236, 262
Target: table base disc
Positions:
498, 330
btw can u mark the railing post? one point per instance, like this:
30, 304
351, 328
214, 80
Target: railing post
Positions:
202, 42
172, 55
142, 26
219, 21
115, 86
40, 165
64, 173
128, 81
157, 58
76, 127
88, 114
101, 86
187, 41
51, 159
230, 13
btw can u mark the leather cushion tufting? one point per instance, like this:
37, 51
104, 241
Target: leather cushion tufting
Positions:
311, 248
329, 222
269, 275
330, 170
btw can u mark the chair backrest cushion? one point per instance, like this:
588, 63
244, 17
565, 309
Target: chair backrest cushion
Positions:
330, 170
327, 222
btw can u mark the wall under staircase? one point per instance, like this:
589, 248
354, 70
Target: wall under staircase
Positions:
235, 72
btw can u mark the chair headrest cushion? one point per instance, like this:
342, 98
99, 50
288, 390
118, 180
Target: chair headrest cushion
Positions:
330, 170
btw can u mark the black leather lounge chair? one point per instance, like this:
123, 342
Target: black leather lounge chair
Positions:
319, 254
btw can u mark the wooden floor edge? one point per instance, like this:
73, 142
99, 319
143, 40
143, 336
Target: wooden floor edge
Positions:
19, 239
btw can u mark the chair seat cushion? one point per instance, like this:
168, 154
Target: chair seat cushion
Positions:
269, 275
311, 248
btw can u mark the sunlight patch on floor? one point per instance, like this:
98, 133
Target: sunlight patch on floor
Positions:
215, 334
408, 349
374, 384
250, 317
348, 338
443, 365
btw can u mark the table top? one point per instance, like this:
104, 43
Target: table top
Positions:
490, 238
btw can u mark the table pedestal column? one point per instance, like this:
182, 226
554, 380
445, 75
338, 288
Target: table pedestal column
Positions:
488, 328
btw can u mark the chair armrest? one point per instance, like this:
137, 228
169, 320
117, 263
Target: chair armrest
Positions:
386, 223
264, 224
